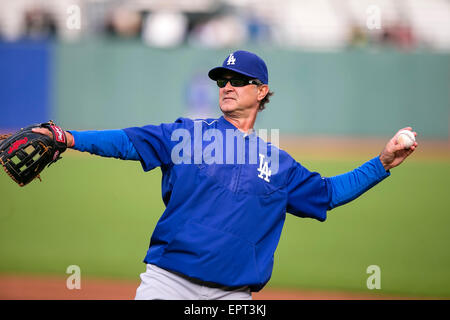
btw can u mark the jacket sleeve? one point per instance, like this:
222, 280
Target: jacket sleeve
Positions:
348, 186
154, 143
308, 193
105, 143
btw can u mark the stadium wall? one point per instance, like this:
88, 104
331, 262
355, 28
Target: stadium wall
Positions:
106, 84
25, 83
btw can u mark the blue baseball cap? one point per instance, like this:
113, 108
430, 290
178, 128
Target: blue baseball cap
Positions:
243, 62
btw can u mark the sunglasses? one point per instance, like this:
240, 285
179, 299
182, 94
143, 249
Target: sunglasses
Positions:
221, 83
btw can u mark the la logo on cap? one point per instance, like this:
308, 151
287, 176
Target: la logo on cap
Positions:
231, 59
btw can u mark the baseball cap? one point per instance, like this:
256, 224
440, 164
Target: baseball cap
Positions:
243, 62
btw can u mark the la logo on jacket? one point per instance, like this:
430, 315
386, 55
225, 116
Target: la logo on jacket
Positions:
264, 171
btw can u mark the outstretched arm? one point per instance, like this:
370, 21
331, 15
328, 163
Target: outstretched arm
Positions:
350, 185
106, 143
150, 144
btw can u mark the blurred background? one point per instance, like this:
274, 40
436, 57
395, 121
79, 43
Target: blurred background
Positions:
347, 74
336, 66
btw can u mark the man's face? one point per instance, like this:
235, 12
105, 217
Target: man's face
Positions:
232, 99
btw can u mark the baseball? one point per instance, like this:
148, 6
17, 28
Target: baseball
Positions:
406, 138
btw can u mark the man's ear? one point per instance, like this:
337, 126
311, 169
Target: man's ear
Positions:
262, 91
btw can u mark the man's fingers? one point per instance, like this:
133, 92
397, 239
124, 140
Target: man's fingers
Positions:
398, 146
395, 152
407, 150
43, 131
414, 146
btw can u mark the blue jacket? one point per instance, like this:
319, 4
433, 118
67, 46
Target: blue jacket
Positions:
223, 221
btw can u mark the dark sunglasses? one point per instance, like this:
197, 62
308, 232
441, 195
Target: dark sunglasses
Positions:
221, 83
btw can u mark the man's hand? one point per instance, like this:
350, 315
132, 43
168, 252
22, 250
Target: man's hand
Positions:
395, 153
69, 137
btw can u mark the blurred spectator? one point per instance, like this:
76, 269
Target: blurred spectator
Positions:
258, 30
164, 29
358, 38
39, 23
219, 32
399, 36
124, 23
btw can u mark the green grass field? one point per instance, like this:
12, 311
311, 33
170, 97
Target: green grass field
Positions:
99, 214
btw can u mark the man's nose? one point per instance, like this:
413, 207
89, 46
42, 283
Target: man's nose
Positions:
228, 86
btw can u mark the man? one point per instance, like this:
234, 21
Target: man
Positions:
226, 190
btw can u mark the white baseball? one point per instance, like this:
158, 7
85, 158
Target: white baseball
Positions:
406, 138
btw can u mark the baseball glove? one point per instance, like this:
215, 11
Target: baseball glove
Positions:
25, 154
